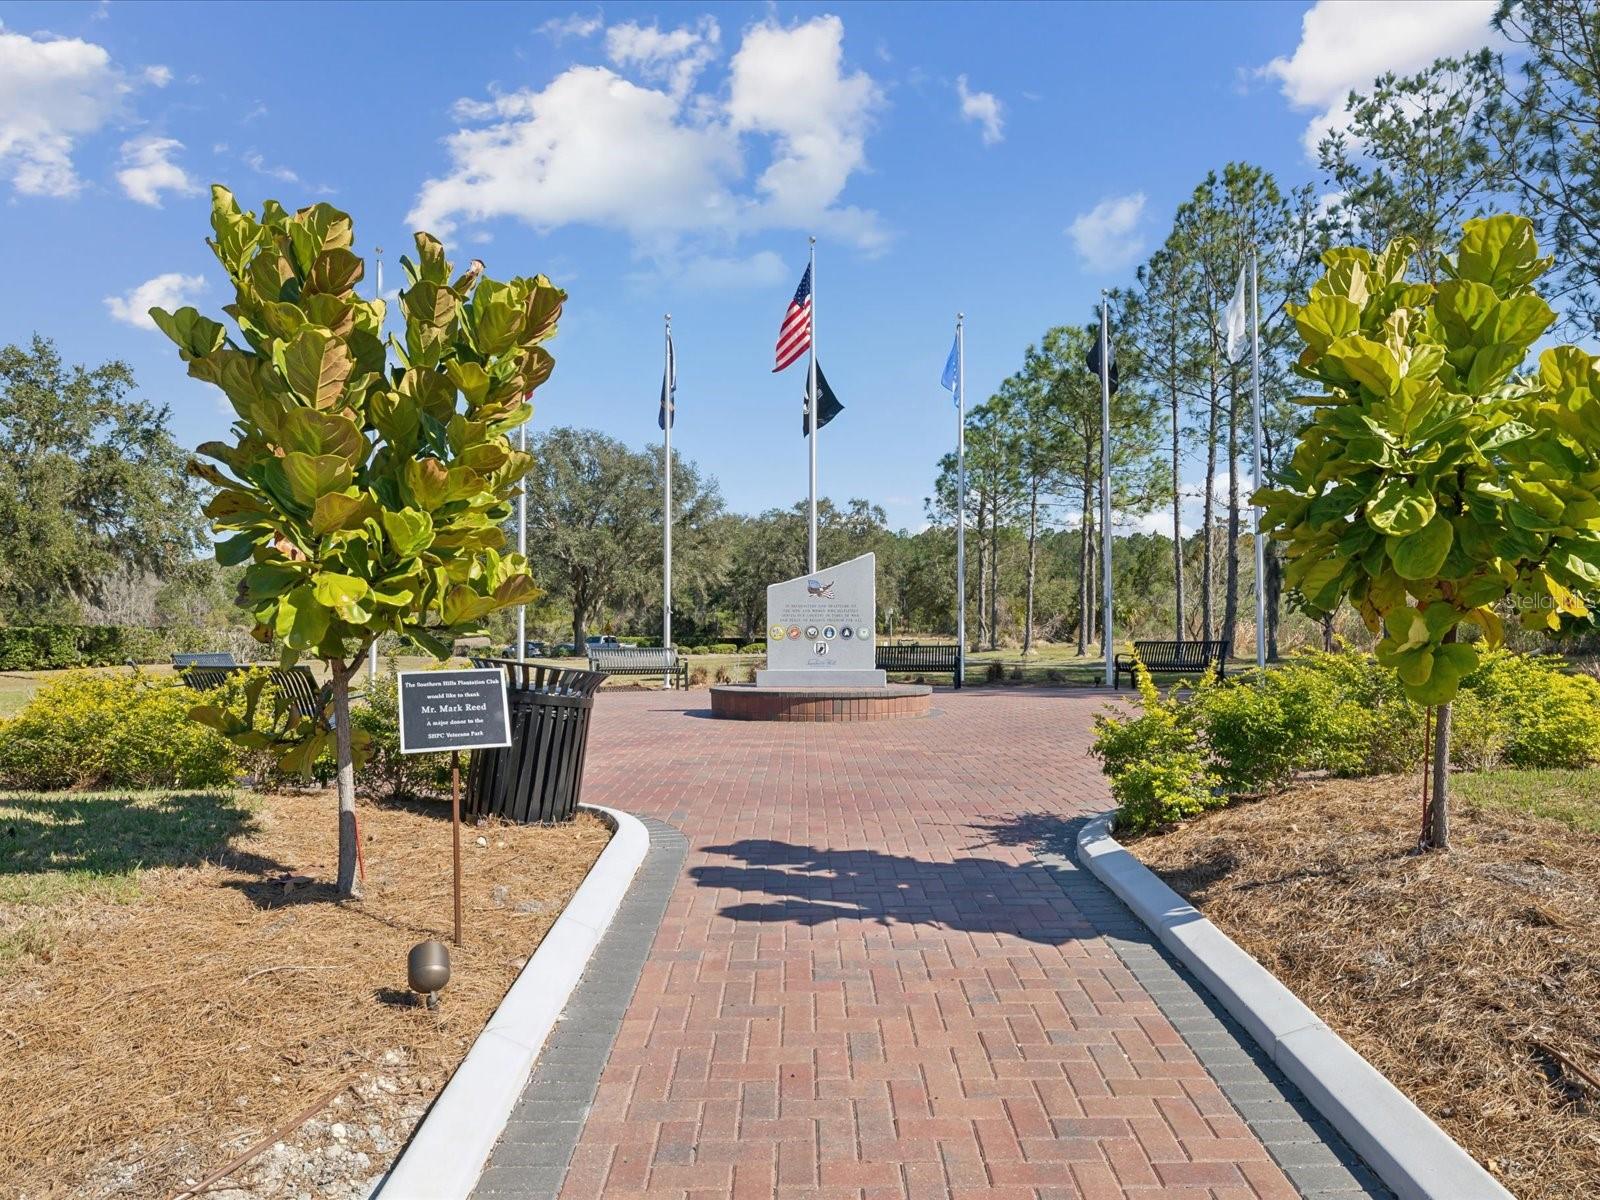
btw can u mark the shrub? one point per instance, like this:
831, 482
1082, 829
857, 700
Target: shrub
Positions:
753, 648
1154, 760
388, 774
113, 730
1550, 718
722, 648
994, 673
1248, 733
1368, 725
51, 647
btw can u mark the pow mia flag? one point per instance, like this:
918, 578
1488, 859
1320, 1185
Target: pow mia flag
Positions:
829, 409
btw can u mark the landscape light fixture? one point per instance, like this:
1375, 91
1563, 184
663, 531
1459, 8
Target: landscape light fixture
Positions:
428, 969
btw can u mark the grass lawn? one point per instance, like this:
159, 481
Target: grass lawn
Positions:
1571, 797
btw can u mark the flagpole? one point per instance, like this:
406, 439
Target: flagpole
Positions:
1255, 510
961, 499
522, 539
670, 402
372, 650
811, 412
1105, 484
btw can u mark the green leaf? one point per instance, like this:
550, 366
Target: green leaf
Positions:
1325, 320
232, 551
409, 531
196, 336
301, 621
336, 510
1421, 554
1500, 251
1399, 508
317, 365
338, 591
310, 476
335, 272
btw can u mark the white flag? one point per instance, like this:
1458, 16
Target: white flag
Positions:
1235, 322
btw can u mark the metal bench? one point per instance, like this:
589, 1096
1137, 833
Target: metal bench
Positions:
297, 685
220, 658
921, 658
639, 660
539, 777
1172, 658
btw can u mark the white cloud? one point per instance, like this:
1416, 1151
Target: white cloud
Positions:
674, 58
1107, 236
148, 170
665, 163
983, 108
171, 292
158, 76
260, 166
790, 83
574, 25
1346, 44
52, 92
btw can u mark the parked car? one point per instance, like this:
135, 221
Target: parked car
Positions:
529, 650
601, 639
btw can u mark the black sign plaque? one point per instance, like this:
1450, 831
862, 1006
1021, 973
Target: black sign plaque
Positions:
453, 710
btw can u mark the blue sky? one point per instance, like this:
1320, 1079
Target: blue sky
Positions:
1007, 161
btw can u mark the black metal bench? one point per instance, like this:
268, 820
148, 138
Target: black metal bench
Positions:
1172, 658
639, 660
297, 685
539, 777
921, 658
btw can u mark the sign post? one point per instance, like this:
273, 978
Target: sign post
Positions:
454, 711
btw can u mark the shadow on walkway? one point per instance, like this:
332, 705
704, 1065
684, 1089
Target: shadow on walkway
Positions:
814, 887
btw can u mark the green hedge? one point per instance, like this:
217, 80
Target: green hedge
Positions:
45, 647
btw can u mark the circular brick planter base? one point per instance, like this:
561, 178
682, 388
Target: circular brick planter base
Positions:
746, 702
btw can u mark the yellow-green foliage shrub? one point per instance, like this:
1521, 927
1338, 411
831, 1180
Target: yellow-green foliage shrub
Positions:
1155, 762
114, 729
1544, 717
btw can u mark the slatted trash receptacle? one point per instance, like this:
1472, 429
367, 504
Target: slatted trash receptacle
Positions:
540, 775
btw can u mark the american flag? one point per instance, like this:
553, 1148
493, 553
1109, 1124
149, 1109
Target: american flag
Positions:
794, 338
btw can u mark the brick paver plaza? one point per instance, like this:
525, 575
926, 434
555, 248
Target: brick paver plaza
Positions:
865, 985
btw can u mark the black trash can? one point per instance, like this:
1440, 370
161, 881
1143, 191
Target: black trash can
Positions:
539, 777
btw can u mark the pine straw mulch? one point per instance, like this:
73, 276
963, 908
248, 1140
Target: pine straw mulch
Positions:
1471, 979
161, 1037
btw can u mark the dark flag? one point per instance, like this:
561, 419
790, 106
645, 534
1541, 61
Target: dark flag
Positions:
1093, 360
669, 388
827, 411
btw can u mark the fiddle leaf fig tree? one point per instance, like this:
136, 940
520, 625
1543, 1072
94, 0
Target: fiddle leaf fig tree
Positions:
366, 484
1437, 484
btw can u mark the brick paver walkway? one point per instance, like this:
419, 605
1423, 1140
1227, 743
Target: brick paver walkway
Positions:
866, 987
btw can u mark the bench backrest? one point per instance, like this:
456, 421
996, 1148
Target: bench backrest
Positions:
220, 658
632, 658
296, 684
918, 656
1180, 654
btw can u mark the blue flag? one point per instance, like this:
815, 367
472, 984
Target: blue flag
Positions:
948, 381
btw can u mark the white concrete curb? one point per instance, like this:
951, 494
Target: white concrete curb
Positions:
1397, 1139
451, 1144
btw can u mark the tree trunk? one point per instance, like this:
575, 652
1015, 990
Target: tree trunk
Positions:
1274, 597
1208, 520
1093, 615
994, 576
1439, 811
1230, 601
1327, 633
345, 757
1033, 563
1177, 525
983, 579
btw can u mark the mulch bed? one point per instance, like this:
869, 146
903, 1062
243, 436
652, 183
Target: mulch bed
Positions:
160, 1038
1471, 979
